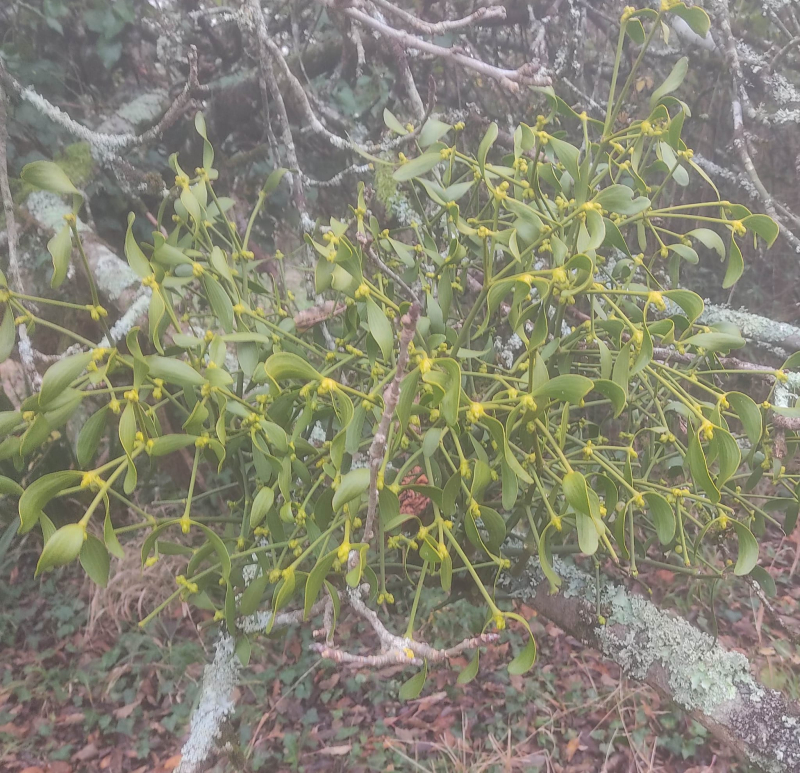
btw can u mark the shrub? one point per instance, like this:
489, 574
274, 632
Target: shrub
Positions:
516, 373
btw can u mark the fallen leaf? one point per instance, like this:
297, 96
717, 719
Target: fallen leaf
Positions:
125, 711
336, 751
172, 762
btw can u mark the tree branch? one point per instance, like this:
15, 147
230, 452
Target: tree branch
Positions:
690, 667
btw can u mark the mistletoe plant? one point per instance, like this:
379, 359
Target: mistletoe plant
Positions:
515, 374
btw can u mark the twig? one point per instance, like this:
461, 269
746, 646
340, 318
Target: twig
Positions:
395, 277
441, 27
390, 399
529, 74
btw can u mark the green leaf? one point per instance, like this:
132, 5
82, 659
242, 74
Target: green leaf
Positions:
64, 546
285, 365
110, 536
728, 454
60, 248
546, 559
765, 580
10, 487
735, 265
417, 167
430, 442
715, 342
614, 392
691, 303
60, 375
261, 504
486, 144
567, 154
470, 671
168, 444
411, 689
8, 334
571, 388
89, 436
40, 492
749, 414
352, 485
619, 198
710, 239
748, 549
635, 29
523, 662
315, 581
220, 302
273, 180
49, 177
432, 131
173, 371
764, 226
698, 466
663, 517
672, 82
253, 593
95, 560
380, 328
392, 123
219, 549
695, 17
136, 258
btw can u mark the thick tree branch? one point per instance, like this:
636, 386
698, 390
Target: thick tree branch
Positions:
690, 667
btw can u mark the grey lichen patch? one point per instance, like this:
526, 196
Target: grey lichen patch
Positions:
772, 734
142, 111
753, 326
701, 674
113, 276
48, 210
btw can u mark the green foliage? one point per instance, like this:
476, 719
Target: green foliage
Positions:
559, 395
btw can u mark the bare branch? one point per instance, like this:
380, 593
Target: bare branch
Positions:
531, 74
440, 27
390, 399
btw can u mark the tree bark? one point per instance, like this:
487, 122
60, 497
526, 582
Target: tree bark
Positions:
682, 663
